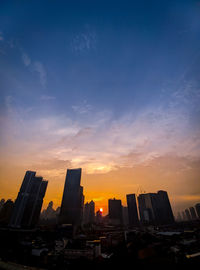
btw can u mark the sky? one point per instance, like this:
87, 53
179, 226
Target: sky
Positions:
112, 87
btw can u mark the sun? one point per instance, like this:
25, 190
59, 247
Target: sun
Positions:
101, 210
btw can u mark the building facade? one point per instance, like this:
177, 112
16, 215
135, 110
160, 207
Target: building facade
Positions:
197, 207
89, 213
188, 216
193, 213
115, 212
132, 210
155, 208
71, 211
29, 201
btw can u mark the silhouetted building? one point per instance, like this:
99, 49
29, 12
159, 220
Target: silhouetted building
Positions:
6, 212
197, 207
179, 217
29, 201
187, 213
115, 212
48, 213
132, 210
89, 213
2, 203
193, 213
125, 215
155, 208
71, 211
99, 218
184, 216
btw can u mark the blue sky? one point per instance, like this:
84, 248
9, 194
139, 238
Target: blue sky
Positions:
99, 84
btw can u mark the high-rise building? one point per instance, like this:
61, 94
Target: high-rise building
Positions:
187, 213
2, 201
6, 212
99, 217
29, 201
179, 217
197, 207
115, 211
155, 208
89, 213
125, 216
71, 211
184, 216
132, 210
165, 211
193, 213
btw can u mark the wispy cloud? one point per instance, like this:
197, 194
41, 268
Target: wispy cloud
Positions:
26, 59
84, 41
104, 143
47, 98
82, 108
38, 67
8, 103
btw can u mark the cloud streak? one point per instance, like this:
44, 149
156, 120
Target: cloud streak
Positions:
39, 68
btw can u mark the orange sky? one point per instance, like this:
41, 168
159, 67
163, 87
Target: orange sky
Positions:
178, 176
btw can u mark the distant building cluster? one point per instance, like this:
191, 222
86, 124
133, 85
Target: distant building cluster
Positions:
192, 213
144, 209
153, 208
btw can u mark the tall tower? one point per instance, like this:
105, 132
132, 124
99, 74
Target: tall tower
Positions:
155, 208
132, 210
115, 211
188, 216
89, 213
29, 201
193, 213
165, 214
197, 207
71, 211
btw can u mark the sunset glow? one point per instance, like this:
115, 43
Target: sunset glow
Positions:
114, 91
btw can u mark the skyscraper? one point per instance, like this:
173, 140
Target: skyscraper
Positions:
164, 208
187, 213
89, 213
6, 212
197, 207
29, 201
184, 216
115, 211
71, 211
155, 208
179, 217
125, 216
132, 210
193, 213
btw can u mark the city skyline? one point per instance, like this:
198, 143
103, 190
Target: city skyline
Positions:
112, 88
157, 206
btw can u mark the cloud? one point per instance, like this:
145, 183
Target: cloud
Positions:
51, 164
46, 98
8, 103
26, 59
38, 67
82, 108
84, 41
34, 66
